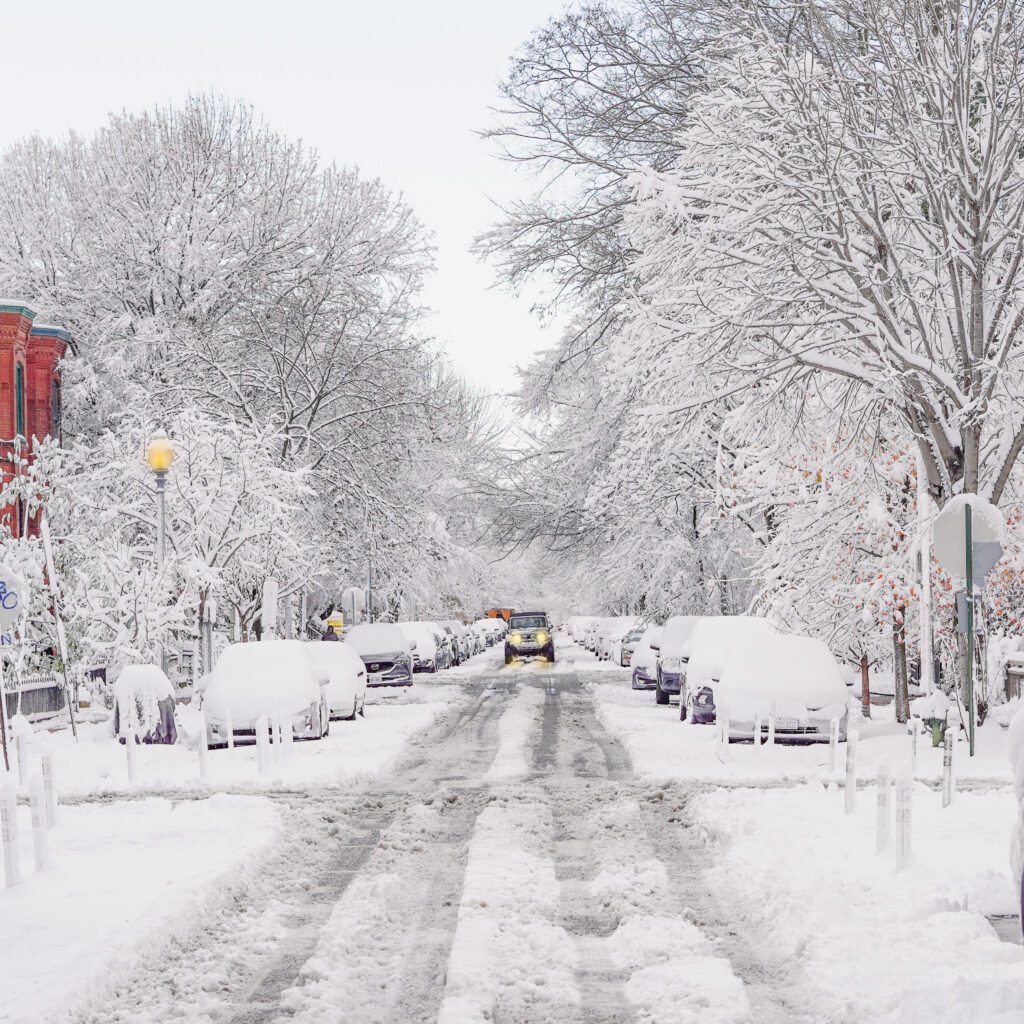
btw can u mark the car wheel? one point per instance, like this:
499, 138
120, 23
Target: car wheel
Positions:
684, 706
362, 707
660, 696
508, 658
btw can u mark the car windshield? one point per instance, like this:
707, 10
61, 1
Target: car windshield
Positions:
527, 621
635, 634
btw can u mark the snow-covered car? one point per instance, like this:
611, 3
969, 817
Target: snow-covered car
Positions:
796, 676
463, 643
611, 635
590, 633
263, 679
385, 652
578, 626
346, 692
704, 654
628, 644
144, 705
644, 659
670, 656
429, 650
488, 629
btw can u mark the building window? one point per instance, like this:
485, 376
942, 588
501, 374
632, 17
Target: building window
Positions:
19, 400
55, 410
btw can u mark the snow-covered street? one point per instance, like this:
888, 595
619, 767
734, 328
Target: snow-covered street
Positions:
514, 865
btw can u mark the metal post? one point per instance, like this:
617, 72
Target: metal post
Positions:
161, 534
882, 816
851, 772
925, 647
948, 779
37, 803
9, 834
969, 539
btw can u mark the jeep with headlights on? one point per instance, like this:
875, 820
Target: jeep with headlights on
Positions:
529, 636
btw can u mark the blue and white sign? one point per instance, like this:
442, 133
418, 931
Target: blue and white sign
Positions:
12, 598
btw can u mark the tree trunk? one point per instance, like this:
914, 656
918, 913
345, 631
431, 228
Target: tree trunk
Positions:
865, 688
901, 689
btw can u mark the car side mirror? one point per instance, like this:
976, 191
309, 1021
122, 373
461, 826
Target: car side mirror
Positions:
655, 647
412, 645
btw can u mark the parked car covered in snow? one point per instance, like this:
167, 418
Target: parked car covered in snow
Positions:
267, 678
429, 648
346, 691
644, 659
796, 676
670, 656
611, 637
385, 652
463, 642
704, 654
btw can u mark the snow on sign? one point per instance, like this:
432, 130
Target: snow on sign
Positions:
12, 587
949, 537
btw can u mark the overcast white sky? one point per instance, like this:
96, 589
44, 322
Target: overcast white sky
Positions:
397, 87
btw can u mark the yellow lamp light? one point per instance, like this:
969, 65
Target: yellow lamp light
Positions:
160, 452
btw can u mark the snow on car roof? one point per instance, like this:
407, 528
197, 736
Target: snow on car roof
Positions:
714, 638
377, 638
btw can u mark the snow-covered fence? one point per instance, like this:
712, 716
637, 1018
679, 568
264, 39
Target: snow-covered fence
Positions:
851, 772
904, 808
9, 834
948, 778
883, 816
37, 802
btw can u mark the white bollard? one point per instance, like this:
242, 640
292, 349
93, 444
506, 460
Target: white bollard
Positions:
904, 807
129, 753
722, 720
230, 726
9, 835
50, 790
948, 778
204, 747
833, 743
37, 801
275, 731
757, 733
287, 737
771, 726
22, 744
851, 771
883, 819
914, 733
261, 744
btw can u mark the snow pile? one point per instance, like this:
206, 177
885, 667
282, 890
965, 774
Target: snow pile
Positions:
138, 692
1015, 749
371, 639
714, 639
517, 722
508, 960
124, 879
806, 884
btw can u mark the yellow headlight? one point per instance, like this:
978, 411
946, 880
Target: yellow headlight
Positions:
541, 637
516, 638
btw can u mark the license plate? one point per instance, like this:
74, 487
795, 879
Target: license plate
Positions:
787, 723
375, 679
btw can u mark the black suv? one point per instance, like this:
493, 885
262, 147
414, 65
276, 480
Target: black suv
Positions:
529, 636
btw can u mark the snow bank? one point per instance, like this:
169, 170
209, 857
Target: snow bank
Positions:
124, 878
805, 882
366, 748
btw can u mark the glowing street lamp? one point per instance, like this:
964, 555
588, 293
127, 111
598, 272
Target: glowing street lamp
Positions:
160, 455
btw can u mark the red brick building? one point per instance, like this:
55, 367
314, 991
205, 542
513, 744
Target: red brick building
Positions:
30, 397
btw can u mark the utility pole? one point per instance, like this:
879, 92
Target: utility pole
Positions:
927, 676
369, 593
969, 555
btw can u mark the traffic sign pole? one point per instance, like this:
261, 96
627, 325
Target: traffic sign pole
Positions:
969, 538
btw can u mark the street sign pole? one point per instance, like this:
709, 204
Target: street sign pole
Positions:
969, 538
